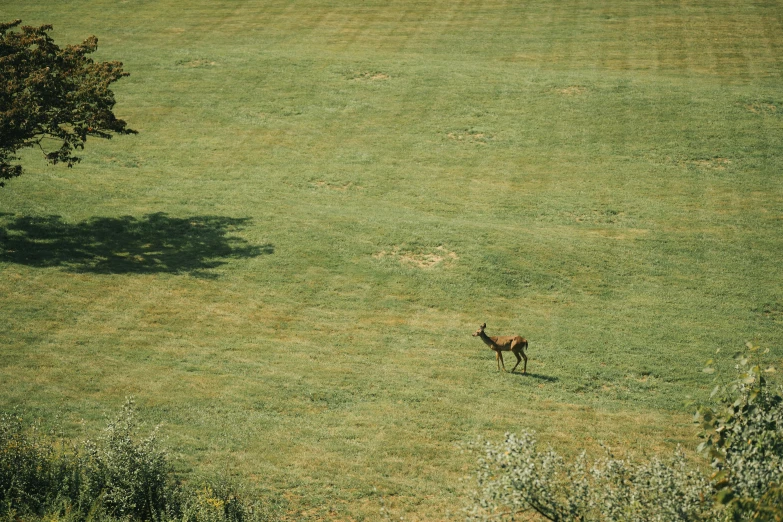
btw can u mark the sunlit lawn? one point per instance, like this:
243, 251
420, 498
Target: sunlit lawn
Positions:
325, 200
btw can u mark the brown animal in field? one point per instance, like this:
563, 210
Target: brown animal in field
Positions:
512, 343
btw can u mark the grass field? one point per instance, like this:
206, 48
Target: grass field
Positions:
326, 199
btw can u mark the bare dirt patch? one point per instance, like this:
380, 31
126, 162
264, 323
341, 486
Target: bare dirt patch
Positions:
440, 256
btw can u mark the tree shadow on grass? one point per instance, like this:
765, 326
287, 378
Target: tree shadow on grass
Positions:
153, 244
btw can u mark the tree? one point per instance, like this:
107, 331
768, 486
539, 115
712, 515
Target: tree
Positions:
52, 98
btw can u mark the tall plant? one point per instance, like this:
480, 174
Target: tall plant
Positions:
129, 474
120, 476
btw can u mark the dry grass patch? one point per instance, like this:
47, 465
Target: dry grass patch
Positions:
374, 76
470, 136
438, 257
619, 235
712, 164
573, 90
597, 216
763, 108
199, 62
341, 187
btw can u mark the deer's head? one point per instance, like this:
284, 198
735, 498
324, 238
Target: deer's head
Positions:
480, 330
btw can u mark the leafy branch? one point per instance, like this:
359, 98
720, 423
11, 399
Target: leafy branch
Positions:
48, 92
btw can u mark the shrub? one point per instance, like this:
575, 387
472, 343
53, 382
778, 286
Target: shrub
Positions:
743, 437
517, 476
118, 477
34, 475
220, 501
129, 478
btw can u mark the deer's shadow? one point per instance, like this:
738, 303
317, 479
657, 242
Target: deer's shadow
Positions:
540, 377
154, 243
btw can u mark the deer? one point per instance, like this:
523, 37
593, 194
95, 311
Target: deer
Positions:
512, 343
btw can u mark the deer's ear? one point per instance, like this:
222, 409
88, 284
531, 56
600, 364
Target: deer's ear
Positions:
484, 325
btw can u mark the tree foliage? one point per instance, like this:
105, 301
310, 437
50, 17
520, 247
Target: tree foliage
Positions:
743, 437
52, 98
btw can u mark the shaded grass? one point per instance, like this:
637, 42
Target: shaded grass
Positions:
606, 176
155, 243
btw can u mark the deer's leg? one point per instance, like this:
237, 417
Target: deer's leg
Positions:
519, 360
499, 358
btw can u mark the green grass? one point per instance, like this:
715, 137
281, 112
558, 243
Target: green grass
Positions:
256, 265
